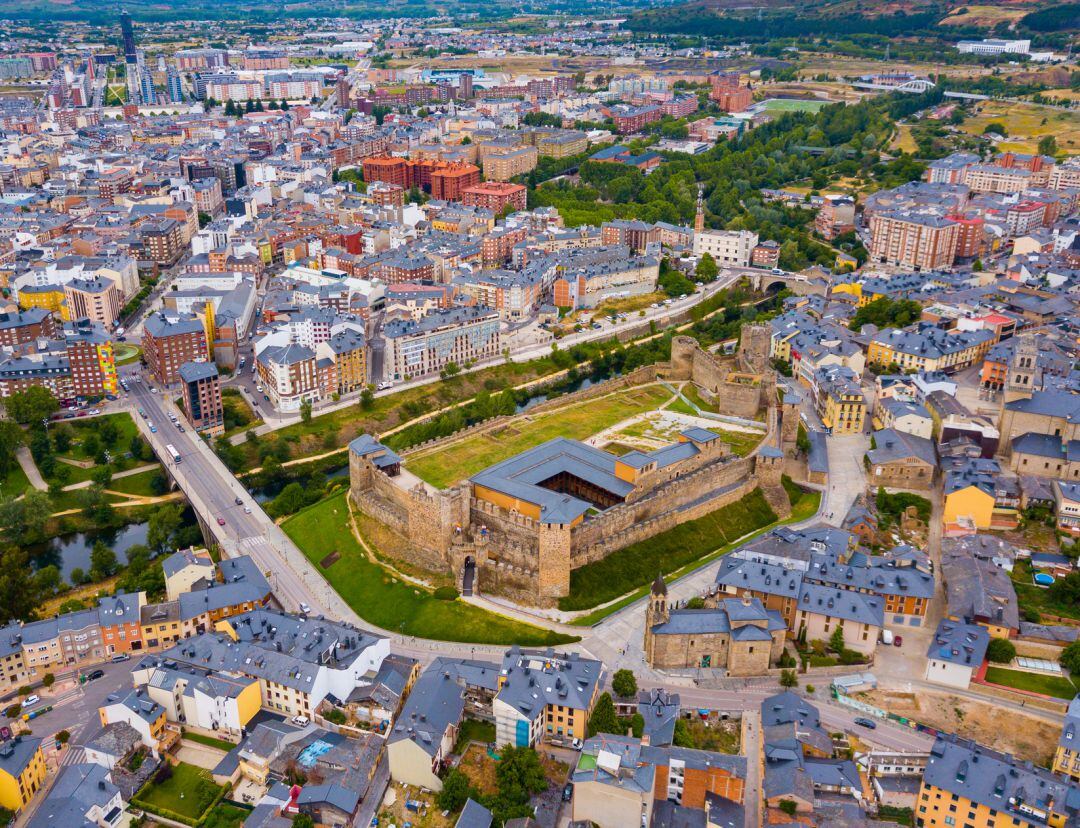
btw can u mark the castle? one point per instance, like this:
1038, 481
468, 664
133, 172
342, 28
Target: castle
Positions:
524, 524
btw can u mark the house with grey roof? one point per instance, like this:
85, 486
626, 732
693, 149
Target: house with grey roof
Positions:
956, 652
977, 590
82, 795
901, 459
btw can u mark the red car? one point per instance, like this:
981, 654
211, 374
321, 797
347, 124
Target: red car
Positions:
897, 641
221, 521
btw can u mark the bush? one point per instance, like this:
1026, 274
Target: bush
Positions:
788, 806
788, 679
1001, 651
445, 593
48, 680
13, 711
164, 773
334, 715
63, 737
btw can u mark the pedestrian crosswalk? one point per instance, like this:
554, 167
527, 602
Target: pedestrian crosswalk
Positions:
74, 755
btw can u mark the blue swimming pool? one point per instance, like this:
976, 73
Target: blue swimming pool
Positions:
310, 755
1042, 579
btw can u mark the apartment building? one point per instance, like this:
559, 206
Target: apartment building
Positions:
96, 299
835, 216
450, 180
502, 166
928, 348
495, 196
201, 397
289, 375
455, 335
346, 350
22, 771
544, 697
966, 783
729, 248
19, 329
170, 341
163, 241
144, 715
922, 241
838, 399
629, 119
1067, 754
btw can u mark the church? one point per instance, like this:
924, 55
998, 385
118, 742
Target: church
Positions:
737, 635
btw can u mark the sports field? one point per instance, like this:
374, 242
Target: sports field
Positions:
792, 105
445, 465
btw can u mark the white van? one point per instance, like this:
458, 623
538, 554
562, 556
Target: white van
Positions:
300, 721
887, 637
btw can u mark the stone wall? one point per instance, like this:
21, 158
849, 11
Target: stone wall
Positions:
736, 394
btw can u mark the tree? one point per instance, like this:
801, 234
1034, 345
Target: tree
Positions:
1001, 651
48, 580
367, 399
456, 791
19, 594
96, 505
103, 563
284, 104
788, 806
305, 411
48, 680
79, 576
451, 369
624, 684
102, 475
706, 270
520, 774
62, 436
788, 678
682, 736
1048, 145
697, 602
836, 640
107, 431
603, 718
997, 128
1070, 658
303, 821
11, 437
31, 406
977, 265
163, 524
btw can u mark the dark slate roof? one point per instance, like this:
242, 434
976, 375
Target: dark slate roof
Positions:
520, 477
893, 446
998, 780
474, 815
367, 446
660, 710
959, 643
77, 789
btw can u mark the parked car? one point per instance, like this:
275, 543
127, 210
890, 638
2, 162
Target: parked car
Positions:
304, 608
898, 640
300, 721
94, 675
221, 521
567, 792
121, 657
31, 700
576, 744
870, 724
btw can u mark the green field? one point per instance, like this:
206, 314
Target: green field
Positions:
384, 600
188, 793
804, 505
1057, 686
239, 416
445, 466
136, 484
793, 105
15, 483
638, 564
85, 426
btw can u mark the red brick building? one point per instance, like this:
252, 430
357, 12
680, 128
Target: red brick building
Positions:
169, 342
495, 195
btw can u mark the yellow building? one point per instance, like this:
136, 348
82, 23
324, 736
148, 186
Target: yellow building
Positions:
22, 771
928, 349
1067, 755
50, 297
968, 784
970, 503
839, 399
851, 289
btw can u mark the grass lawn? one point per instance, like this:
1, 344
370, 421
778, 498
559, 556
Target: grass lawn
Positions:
1026, 123
1056, 686
804, 504
637, 564
1031, 597
209, 741
793, 105
238, 414
196, 785
125, 353
15, 483
383, 600
445, 466
84, 426
394, 409
474, 730
680, 407
136, 484
225, 815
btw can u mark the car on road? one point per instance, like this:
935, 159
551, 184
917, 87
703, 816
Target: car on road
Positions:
94, 675
239, 501
304, 608
870, 724
576, 744
221, 521
180, 427
567, 792
247, 510
153, 429
898, 640
31, 700
121, 657
266, 397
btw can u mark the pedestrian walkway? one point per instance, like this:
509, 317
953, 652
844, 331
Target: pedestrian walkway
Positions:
30, 469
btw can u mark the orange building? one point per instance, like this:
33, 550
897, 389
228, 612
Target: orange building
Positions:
495, 195
449, 180
390, 169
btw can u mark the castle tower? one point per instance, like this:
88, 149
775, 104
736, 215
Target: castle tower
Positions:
699, 218
1023, 375
655, 613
